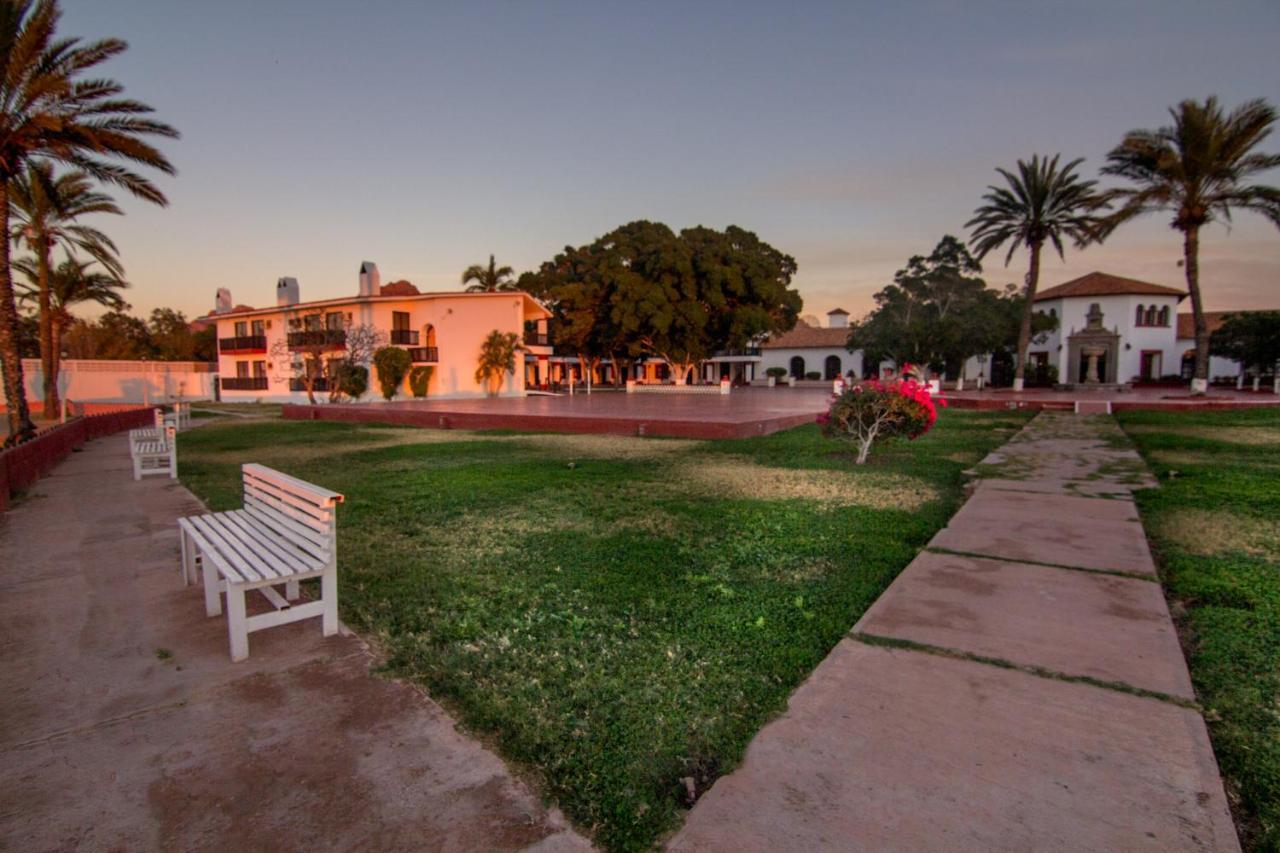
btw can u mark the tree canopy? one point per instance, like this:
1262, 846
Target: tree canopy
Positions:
642, 289
1251, 338
939, 312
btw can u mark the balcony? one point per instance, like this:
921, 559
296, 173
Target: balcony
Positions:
242, 344
424, 355
745, 352
537, 339
244, 383
404, 337
327, 338
322, 384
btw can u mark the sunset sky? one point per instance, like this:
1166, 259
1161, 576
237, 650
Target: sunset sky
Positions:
319, 134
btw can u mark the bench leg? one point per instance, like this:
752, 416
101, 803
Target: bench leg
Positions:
173, 463
137, 468
186, 557
212, 601
329, 595
236, 626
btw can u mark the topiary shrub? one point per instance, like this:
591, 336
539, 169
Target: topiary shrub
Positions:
420, 379
351, 380
875, 411
392, 363
813, 374
776, 372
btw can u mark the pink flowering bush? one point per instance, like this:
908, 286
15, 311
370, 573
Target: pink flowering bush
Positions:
873, 410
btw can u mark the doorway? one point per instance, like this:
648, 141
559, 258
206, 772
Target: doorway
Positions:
1152, 365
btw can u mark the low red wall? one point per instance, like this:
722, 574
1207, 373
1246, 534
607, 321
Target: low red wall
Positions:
22, 466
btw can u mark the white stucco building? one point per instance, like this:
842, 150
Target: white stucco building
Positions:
809, 348
258, 347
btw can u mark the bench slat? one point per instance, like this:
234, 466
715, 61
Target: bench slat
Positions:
316, 494
198, 534
302, 534
268, 540
217, 537
317, 518
265, 561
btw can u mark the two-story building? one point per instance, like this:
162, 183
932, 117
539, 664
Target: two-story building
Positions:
261, 350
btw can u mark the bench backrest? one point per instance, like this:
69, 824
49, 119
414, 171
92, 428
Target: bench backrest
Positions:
302, 512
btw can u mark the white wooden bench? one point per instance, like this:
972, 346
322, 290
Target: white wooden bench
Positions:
152, 433
285, 533
155, 455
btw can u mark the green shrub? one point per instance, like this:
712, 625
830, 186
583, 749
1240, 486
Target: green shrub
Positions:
776, 372
420, 378
392, 363
813, 374
352, 379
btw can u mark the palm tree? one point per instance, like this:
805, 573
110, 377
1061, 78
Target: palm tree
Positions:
1198, 169
1041, 203
69, 284
497, 359
488, 279
49, 110
44, 210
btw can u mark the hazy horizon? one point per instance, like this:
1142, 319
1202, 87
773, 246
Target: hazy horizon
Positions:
319, 135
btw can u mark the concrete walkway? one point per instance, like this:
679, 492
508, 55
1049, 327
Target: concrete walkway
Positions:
124, 725
1018, 687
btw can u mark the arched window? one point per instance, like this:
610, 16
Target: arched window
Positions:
797, 367
1139, 317
428, 335
1164, 316
1151, 315
831, 368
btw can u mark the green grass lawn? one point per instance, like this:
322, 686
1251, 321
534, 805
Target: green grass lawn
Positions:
1215, 527
614, 614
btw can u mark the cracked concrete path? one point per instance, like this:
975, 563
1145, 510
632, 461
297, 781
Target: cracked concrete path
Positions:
125, 726
1019, 686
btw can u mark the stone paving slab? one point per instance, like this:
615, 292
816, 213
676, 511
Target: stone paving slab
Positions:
108, 743
1076, 623
1082, 488
1008, 525
891, 749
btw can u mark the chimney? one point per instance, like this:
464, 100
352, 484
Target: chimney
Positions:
287, 291
837, 318
370, 280
222, 301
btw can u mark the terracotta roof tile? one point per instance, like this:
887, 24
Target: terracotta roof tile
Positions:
804, 335
1105, 284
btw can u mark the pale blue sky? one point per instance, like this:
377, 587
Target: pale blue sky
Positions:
423, 137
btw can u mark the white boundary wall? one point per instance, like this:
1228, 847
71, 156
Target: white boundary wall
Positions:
107, 381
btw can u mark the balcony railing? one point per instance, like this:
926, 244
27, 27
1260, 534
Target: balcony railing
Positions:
404, 337
243, 343
537, 339
745, 352
244, 383
318, 338
424, 354
321, 384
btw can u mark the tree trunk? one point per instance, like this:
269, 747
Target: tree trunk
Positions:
20, 426
55, 338
48, 358
1191, 255
1024, 330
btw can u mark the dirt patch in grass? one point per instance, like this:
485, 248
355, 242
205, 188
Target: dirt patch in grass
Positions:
607, 446
736, 478
1212, 533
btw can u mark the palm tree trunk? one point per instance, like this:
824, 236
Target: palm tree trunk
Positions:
20, 426
1024, 330
48, 358
1191, 263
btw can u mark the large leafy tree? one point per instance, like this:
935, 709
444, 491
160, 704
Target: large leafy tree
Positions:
1041, 203
50, 109
1201, 168
45, 212
939, 312
642, 289
1251, 338
490, 279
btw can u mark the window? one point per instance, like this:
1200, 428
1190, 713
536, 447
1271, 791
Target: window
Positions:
1151, 315
1164, 316
242, 369
259, 369
259, 328
429, 336
400, 321
242, 329
1139, 317
311, 322
333, 321
797, 367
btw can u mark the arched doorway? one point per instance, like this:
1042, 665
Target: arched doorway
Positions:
797, 367
831, 368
